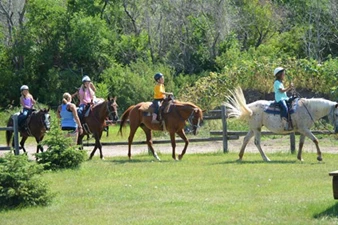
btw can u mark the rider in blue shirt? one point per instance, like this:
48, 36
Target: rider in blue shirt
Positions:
280, 95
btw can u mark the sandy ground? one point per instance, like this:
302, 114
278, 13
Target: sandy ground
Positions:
269, 145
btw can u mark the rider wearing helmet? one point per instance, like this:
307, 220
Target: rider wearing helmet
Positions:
159, 95
281, 96
27, 102
86, 94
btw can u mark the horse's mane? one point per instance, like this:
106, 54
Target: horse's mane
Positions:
180, 103
318, 103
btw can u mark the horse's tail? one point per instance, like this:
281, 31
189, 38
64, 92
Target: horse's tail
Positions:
237, 105
124, 118
9, 133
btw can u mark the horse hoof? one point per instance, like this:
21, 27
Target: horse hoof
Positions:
102, 158
180, 157
319, 158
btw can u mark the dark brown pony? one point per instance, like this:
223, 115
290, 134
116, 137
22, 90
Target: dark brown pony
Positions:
94, 123
38, 123
173, 121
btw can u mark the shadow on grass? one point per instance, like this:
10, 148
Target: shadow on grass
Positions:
259, 162
331, 212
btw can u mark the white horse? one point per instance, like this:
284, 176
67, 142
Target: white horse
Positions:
307, 112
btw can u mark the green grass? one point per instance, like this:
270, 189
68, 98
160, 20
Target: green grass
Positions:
201, 189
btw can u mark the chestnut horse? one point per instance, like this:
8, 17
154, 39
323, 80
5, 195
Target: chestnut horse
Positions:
38, 123
173, 121
94, 123
307, 112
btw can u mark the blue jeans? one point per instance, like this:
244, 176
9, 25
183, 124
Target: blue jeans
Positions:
284, 109
23, 116
156, 104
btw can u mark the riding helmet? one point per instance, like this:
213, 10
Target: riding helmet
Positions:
86, 79
277, 70
158, 76
24, 87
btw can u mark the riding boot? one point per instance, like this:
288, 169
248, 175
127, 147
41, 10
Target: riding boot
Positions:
286, 124
154, 120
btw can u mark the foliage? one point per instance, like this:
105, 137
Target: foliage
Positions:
20, 184
61, 152
50, 44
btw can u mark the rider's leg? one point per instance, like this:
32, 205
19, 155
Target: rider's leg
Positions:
156, 107
284, 114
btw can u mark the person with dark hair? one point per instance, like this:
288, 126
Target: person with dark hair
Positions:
159, 95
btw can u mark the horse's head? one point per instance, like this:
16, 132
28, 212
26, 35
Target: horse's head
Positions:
335, 118
112, 109
195, 118
43, 114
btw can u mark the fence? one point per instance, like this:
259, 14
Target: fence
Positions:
16, 135
228, 135
224, 133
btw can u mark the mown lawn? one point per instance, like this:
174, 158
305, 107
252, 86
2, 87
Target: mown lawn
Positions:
201, 189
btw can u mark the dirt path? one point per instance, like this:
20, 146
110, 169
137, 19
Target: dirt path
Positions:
268, 145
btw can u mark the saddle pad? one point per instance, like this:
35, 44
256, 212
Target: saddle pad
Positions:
274, 108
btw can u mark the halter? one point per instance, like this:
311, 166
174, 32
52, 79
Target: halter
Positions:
190, 120
110, 112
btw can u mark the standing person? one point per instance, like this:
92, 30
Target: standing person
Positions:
27, 102
86, 94
159, 95
69, 119
280, 95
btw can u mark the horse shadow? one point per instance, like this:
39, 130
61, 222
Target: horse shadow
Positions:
260, 162
331, 212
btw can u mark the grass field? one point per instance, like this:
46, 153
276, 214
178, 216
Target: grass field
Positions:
201, 189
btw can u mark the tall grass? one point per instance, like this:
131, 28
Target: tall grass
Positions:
201, 189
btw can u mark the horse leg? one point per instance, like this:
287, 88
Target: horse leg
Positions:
186, 141
79, 142
149, 141
173, 144
258, 145
98, 145
130, 138
308, 134
39, 145
246, 140
93, 151
22, 143
301, 144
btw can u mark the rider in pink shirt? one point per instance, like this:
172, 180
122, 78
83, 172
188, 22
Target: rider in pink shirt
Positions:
86, 94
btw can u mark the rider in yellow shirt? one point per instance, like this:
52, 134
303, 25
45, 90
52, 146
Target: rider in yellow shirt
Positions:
159, 95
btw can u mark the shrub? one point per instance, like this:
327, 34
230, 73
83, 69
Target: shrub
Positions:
61, 152
19, 185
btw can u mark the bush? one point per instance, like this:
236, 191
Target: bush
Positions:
61, 152
19, 185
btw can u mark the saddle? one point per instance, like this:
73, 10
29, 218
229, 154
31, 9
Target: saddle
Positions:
275, 109
24, 124
148, 109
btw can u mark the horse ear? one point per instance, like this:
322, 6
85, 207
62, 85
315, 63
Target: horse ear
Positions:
115, 98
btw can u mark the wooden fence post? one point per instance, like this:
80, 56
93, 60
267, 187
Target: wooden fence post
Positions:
293, 142
225, 129
16, 134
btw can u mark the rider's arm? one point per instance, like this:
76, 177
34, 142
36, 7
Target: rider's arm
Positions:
76, 117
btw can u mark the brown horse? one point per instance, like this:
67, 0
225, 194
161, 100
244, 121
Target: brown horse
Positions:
174, 121
94, 123
38, 123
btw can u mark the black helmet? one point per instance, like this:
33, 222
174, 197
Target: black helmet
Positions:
158, 76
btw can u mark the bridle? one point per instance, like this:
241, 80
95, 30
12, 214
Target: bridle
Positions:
111, 112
